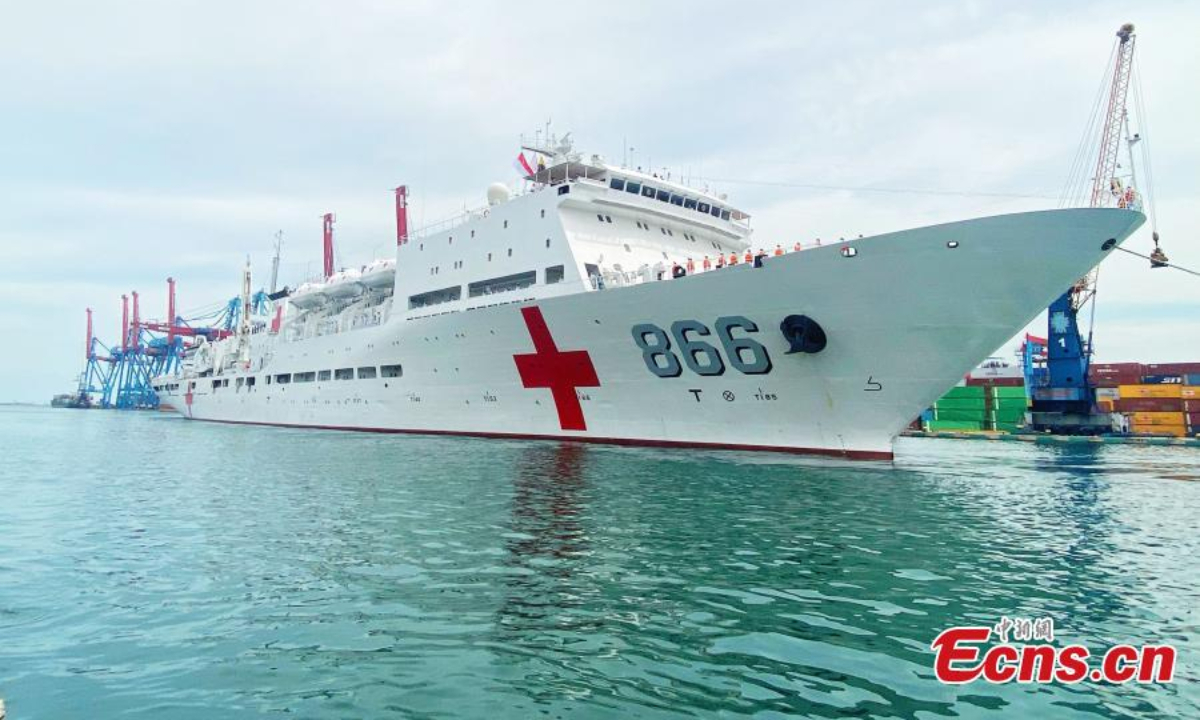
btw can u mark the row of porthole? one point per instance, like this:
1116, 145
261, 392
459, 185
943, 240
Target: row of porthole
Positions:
450, 238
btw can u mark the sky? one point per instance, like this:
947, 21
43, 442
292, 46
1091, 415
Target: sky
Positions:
141, 140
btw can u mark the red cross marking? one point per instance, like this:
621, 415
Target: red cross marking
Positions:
552, 368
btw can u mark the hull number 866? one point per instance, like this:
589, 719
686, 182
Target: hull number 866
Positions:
666, 354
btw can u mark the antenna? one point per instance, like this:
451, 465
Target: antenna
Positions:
275, 261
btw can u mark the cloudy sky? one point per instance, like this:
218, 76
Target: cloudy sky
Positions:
145, 139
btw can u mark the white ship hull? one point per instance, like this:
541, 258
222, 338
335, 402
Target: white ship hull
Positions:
906, 317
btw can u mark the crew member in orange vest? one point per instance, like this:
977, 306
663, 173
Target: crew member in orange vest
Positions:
691, 266
778, 250
797, 246
707, 264
733, 259
721, 261
749, 256
674, 269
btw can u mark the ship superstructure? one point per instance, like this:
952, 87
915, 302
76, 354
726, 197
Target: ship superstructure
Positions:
603, 305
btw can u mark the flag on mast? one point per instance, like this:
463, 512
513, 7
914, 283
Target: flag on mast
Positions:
522, 165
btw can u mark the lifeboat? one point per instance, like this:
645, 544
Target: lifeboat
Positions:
379, 274
343, 284
308, 296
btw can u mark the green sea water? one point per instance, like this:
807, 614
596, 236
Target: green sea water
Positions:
152, 567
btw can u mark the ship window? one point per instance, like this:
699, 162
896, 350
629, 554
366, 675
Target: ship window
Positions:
617, 184
702, 207
608, 219
343, 374
689, 203
216, 384
664, 196
677, 200
305, 377
724, 214
670, 233
633, 187
510, 252
599, 217
450, 240
716, 211
283, 379
390, 371
627, 248
268, 381
249, 382
502, 284
366, 373
663, 230
505, 224
555, 274
543, 213
489, 257
322, 376
563, 190
647, 191
436, 297
547, 242
239, 383
472, 233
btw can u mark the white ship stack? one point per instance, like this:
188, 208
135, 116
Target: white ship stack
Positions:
554, 313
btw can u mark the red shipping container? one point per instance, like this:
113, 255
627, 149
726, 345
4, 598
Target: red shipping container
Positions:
1115, 380
1130, 405
1191, 406
1180, 368
1193, 419
1117, 369
996, 382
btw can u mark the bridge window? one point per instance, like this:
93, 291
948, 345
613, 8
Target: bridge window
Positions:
647, 191
617, 184
716, 211
677, 200
250, 382
703, 207
689, 203
564, 189
366, 373
343, 374
724, 214
436, 297
663, 196
322, 376
633, 187
305, 377
391, 371
283, 378
555, 274
506, 283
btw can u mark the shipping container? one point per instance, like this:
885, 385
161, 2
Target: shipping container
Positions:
954, 425
1193, 420
1157, 418
1192, 378
1131, 405
1117, 369
1180, 368
1162, 379
964, 391
1173, 430
1191, 406
1105, 405
961, 404
1105, 393
976, 416
1189, 392
1151, 391
1112, 381
996, 382
1001, 391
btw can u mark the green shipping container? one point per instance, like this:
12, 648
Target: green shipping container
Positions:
966, 391
976, 416
1008, 392
962, 404
1007, 415
1008, 427
954, 425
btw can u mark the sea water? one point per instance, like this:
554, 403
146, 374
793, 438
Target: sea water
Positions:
152, 567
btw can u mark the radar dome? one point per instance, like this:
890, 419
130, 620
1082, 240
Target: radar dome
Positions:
497, 193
